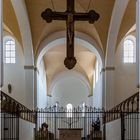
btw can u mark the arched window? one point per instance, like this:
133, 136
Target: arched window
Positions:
69, 110
57, 106
96, 71
83, 109
129, 53
10, 50
94, 79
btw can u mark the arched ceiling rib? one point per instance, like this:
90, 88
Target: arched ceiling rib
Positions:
128, 20
41, 29
10, 20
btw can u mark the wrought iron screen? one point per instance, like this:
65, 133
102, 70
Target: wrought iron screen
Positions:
126, 113
130, 126
61, 118
9, 126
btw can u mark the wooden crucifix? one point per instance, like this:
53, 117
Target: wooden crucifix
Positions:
70, 16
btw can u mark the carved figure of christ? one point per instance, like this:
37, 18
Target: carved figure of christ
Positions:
70, 16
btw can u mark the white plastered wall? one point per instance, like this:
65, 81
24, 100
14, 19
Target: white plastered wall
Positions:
14, 75
20, 9
116, 18
26, 131
69, 87
125, 77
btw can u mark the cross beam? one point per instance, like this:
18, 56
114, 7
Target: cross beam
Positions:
70, 16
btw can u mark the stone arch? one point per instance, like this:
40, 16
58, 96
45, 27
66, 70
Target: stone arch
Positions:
117, 16
84, 40
22, 18
59, 38
76, 74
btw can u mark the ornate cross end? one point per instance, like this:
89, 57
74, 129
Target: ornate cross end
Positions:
70, 62
47, 15
93, 16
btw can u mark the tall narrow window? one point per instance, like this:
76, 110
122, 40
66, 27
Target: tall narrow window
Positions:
69, 110
10, 51
94, 79
97, 70
129, 51
83, 109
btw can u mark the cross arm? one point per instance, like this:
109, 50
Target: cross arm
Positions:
50, 15
91, 16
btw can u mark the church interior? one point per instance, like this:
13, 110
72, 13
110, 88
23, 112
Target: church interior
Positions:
69, 69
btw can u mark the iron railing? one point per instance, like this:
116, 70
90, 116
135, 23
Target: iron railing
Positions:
11, 106
127, 113
60, 118
130, 105
83, 118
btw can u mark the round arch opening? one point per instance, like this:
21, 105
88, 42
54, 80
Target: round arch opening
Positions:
58, 39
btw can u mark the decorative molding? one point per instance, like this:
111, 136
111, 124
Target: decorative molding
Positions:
90, 95
111, 68
31, 67
49, 95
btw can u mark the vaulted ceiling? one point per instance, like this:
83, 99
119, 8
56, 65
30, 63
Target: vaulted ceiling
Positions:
54, 62
40, 30
10, 20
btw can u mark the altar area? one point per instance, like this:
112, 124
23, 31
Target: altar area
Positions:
72, 125
70, 134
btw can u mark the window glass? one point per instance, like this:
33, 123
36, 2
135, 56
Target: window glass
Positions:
129, 51
10, 51
69, 110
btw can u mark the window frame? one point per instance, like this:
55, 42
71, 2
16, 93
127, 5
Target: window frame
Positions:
9, 53
127, 55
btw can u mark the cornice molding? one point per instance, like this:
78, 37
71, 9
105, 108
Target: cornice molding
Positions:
108, 68
30, 67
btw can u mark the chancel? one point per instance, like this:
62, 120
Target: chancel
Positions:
69, 69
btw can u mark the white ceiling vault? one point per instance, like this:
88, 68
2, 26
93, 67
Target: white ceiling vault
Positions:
23, 19
53, 53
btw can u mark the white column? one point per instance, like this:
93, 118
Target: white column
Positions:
138, 47
1, 56
138, 40
35, 87
102, 74
1, 44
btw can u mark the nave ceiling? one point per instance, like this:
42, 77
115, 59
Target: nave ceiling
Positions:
40, 30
